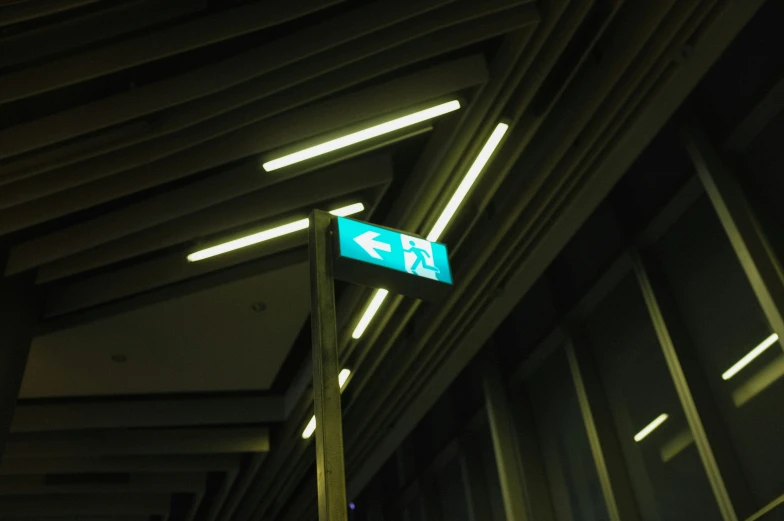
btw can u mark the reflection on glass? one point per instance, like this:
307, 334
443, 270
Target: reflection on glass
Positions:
650, 427
566, 452
760, 381
726, 328
751, 355
663, 465
676, 445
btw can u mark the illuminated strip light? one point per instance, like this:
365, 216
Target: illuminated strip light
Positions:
751, 355
650, 428
310, 428
443, 220
370, 311
468, 181
266, 235
362, 135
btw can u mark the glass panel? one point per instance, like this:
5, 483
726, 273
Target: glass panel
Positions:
571, 473
414, 511
451, 493
491, 474
743, 363
663, 464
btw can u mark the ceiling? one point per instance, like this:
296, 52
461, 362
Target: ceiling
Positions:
132, 134
232, 337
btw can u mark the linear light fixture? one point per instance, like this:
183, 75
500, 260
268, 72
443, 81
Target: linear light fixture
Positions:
266, 235
370, 311
650, 427
310, 428
446, 215
751, 355
468, 181
362, 135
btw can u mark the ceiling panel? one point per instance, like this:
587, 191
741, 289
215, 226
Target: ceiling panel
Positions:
212, 340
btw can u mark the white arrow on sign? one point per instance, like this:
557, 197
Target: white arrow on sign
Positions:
366, 240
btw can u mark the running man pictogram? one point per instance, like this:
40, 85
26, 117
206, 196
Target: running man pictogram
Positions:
420, 253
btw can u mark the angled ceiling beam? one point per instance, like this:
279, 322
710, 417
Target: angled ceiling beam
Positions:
156, 45
220, 497
336, 182
37, 485
159, 272
140, 442
238, 492
278, 203
92, 27
768, 108
212, 78
22, 11
159, 291
396, 97
390, 99
87, 505
434, 33
121, 464
206, 207
147, 413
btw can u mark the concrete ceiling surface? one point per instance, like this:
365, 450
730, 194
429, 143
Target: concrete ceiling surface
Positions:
212, 340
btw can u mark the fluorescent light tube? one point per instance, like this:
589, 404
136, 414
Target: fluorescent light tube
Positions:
446, 215
650, 427
266, 235
468, 181
751, 355
362, 135
343, 376
310, 428
348, 210
370, 311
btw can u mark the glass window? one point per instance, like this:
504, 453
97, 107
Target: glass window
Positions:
491, 474
414, 511
742, 360
569, 466
453, 503
664, 467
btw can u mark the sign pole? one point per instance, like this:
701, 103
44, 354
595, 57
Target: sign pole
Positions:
330, 469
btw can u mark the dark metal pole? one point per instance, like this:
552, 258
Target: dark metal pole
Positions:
330, 469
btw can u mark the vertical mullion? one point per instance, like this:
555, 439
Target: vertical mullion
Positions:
693, 418
758, 259
530, 454
605, 448
507, 457
474, 483
699, 386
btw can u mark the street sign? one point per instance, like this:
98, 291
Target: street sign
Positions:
391, 259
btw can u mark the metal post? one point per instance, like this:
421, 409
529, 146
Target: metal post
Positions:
331, 476
19, 310
504, 443
762, 268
